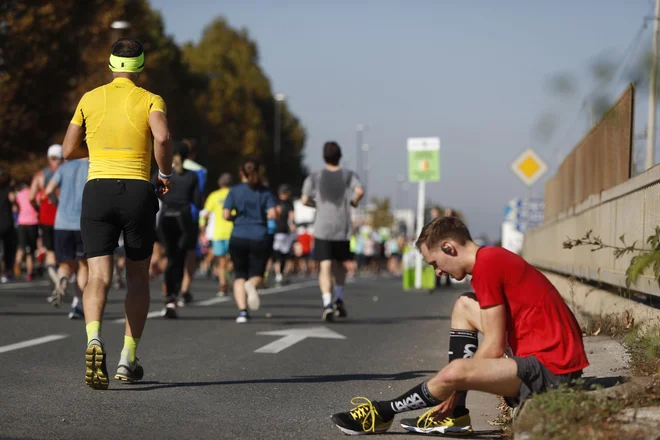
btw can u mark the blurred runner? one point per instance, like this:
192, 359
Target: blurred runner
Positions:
176, 228
70, 178
119, 121
7, 229
249, 246
28, 231
47, 210
332, 191
285, 233
222, 229
193, 251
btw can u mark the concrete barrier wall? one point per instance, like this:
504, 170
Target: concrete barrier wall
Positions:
631, 209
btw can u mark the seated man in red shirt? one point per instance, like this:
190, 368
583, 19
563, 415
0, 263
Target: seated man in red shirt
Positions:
512, 302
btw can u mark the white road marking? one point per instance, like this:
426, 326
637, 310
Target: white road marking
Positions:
293, 336
213, 301
31, 342
25, 285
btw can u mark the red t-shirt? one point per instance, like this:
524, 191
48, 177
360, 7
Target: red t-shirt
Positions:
539, 322
305, 241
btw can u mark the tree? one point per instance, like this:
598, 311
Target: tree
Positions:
239, 107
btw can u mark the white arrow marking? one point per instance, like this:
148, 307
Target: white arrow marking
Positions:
295, 335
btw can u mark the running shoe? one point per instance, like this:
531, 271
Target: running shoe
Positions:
328, 313
427, 423
221, 293
4, 279
128, 372
363, 419
252, 297
186, 298
340, 309
57, 296
169, 311
76, 312
96, 373
243, 317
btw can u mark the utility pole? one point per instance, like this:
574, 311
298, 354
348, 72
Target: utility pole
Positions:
358, 148
277, 137
650, 140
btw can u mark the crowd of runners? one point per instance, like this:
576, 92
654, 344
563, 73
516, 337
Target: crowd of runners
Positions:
103, 212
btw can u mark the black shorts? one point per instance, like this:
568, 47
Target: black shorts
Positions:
47, 237
332, 250
27, 238
68, 245
249, 257
110, 206
194, 236
536, 378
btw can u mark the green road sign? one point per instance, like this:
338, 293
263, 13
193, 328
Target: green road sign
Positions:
424, 159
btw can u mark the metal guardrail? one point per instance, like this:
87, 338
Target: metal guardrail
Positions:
631, 208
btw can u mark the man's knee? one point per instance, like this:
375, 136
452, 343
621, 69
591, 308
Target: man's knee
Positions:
465, 304
456, 372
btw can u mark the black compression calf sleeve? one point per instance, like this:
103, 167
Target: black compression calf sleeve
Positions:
417, 398
462, 345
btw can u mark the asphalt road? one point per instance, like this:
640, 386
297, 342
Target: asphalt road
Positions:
203, 374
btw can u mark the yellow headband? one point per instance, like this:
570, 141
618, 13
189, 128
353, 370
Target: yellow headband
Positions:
130, 65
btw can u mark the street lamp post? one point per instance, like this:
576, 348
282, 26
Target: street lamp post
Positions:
365, 172
279, 98
117, 27
358, 145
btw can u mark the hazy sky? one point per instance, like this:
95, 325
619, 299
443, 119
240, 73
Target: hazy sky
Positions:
474, 73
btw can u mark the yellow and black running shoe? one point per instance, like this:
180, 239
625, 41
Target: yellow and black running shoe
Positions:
428, 423
363, 419
96, 373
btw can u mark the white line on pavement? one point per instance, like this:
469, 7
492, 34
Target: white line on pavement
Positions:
31, 342
25, 285
213, 301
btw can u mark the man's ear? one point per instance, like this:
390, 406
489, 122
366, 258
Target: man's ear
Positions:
448, 248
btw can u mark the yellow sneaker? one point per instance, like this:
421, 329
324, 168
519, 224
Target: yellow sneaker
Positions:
428, 424
363, 419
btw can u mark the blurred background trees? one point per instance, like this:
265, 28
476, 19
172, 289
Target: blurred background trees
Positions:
215, 90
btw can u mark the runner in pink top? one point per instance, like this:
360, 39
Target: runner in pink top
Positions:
28, 230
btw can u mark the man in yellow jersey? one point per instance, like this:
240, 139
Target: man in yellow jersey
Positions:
119, 121
221, 229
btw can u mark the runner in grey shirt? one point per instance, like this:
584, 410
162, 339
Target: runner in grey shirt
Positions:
332, 191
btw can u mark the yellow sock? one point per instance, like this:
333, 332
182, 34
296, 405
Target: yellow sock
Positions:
93, 330
130, 347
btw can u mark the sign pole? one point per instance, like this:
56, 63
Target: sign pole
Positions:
421, 201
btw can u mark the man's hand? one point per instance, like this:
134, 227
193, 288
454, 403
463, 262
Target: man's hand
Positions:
354, 203
163, 185
446, 408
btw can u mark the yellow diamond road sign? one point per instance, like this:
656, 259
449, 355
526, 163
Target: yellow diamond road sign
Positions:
529, 167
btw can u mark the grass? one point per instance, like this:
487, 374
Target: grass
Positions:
574, 413
566, 413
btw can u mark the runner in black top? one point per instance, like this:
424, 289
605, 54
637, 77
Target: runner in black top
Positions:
176, 227
7, 230
285, 234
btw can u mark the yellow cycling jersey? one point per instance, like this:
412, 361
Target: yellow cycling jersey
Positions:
116, 121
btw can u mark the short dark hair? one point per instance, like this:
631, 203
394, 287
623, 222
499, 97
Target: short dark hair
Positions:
331, 153
127, 48
441, 229
250, 169
181, 149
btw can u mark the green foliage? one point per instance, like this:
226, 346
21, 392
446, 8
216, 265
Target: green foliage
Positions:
646, 259
382, 215
215, 91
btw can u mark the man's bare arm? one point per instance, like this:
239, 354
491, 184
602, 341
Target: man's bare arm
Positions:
162, 141
358, 193
72, 146
493, 323
50, 191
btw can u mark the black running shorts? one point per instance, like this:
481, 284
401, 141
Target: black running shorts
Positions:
249, 257
47, 237
27, 238
110, 206
332, 250
68, 245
